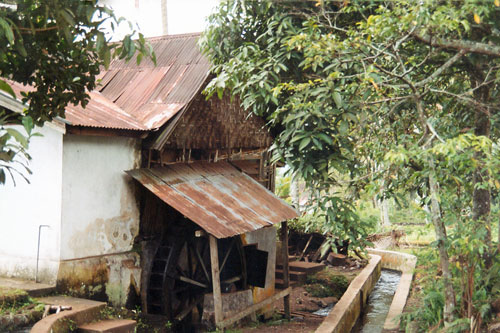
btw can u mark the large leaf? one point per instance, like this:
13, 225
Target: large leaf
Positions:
7, 88
23, 140
337, 98
304, 143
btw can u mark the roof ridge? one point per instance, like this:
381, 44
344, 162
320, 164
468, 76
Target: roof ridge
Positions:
191, 34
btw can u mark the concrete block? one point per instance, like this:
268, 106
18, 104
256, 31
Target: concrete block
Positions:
231, 303
109, 326
348, 309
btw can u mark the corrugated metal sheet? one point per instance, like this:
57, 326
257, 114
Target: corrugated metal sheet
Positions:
99, 112
154, 94
145, 96
216, 196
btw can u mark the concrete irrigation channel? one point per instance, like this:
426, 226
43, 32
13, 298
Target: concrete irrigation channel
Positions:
350, 307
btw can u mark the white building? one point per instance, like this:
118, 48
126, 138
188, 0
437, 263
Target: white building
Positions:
193, 162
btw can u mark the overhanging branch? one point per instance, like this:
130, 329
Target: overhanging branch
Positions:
462, 45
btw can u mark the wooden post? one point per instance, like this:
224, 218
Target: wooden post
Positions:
286, 276
214, 261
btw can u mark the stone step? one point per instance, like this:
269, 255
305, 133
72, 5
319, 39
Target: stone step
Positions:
278, 284
302, 266
109, 326
300, 277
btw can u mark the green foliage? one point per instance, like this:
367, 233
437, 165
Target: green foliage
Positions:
14, 157
429, 311
326, 285
12, 299
318, 223
369, 215
283, 186
407, 213
390, 97
57, 47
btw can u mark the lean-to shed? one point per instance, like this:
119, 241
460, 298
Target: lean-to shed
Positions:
161, 193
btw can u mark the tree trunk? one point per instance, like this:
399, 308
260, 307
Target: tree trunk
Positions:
440, 229
384, 213
295, 193
481, 197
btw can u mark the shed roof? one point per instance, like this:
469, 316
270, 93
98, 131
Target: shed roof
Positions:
220, 199
144, 96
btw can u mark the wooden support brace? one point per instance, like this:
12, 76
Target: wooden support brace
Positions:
214, 260
251, 309
286, 275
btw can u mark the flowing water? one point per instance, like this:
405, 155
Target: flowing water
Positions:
379, 302
324, 311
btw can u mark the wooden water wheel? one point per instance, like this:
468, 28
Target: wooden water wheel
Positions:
181, 273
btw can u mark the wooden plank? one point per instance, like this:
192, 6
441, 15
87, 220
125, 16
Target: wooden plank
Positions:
305, 248
248, 311
214, 261
286, 269
317, 255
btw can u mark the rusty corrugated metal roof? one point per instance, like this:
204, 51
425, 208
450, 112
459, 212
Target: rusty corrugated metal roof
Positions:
99, 112
144, 96
154, 94
220, 199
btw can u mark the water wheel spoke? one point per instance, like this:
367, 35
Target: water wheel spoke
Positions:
189, 258
233, 279
186, 273
180, 271
188, 280
227, 254
189, 308
200, 260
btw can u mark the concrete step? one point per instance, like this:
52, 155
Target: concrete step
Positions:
33, 289
278, 284
109, 326
302, 266
300, 277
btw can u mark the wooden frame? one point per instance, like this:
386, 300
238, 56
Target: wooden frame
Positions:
220, 322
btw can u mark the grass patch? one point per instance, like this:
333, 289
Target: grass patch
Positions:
13, 300
16, 301
326, 284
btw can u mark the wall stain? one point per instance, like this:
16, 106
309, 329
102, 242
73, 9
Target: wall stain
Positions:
111, 235
110, 278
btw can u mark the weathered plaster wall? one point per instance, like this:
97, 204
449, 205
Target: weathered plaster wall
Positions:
100, 217
26, 206
100, 212
266, 241
112, 278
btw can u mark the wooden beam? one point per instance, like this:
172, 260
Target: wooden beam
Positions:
248, 311
286, 275
305, 248
214, 261
94, 131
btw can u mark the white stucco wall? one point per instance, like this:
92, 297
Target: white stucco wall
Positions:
26, 206
99, 211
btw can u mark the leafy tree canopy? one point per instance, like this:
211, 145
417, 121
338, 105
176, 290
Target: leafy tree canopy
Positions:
57, 47
396, 94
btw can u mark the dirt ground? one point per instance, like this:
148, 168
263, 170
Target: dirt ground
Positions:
302, 305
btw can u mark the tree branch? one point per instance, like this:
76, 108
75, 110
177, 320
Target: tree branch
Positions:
463, 45
441, 69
